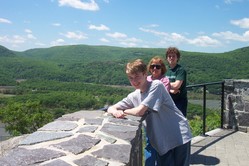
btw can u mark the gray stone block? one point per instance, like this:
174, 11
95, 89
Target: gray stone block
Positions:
79, 144
118, 152
41, 136
59, 126
127, 133
90, 161
23, 157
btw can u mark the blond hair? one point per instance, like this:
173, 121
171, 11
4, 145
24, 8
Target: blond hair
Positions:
136, 66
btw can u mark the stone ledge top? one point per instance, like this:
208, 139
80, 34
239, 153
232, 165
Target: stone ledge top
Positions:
80, 137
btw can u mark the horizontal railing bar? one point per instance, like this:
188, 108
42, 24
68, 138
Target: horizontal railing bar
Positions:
210, 83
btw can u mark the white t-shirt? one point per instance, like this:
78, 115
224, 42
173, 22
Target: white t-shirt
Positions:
166, 126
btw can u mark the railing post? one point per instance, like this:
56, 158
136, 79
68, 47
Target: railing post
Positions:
222, 103
204, 102
204, 111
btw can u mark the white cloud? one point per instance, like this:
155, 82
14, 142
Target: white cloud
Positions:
132, 39
75, 35
123, 39
99, 28
104, 40
3, 20
31, 36
28, 31
176, 38
153, 25
57, 42
16, 39
92, 5
204, 41
157, 33
116, 35
242, 23
56, 24
228, 35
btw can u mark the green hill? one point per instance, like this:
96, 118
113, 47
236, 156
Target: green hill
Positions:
65, 79
105, 64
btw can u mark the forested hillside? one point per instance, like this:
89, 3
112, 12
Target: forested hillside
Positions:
64, 79
105, 64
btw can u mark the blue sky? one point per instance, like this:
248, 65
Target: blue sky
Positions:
191, 25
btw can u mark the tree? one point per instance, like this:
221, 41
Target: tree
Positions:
24, 118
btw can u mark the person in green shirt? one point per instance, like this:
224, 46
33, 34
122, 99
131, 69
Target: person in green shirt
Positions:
177, 76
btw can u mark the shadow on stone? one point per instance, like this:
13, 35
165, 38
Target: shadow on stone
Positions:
203, 160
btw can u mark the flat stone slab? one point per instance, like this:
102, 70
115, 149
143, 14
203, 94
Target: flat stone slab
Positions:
106, 138
41, 136
79, 144
130, 120
90, 129
84, 114
59, 126
22, 157
94, 121
57, 163
113, 152
89, 160
120, 131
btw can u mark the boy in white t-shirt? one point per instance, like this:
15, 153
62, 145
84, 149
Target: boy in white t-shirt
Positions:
166, 127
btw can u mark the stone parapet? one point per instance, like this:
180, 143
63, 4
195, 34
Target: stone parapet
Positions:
80, 138
236, 114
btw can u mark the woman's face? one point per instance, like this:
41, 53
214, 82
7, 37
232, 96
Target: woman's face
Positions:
156, 69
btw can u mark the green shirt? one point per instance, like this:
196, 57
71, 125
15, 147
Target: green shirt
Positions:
178, 73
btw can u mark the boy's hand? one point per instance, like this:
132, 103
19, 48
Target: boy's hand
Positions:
119, 114
116, 112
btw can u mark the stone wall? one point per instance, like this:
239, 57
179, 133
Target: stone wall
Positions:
81, 138
96, 138
236, 114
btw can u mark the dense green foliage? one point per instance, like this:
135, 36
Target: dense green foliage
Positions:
105, 65
55, 99
50, 82
25, 117
195, 116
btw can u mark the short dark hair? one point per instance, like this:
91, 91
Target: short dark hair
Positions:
173, 50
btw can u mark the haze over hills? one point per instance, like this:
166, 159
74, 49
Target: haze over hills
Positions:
105, 64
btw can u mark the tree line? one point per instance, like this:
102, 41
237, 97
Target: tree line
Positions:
65, 79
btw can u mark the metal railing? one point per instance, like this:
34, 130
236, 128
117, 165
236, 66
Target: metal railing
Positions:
204, 86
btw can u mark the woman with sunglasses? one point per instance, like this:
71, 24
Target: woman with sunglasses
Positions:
157, 69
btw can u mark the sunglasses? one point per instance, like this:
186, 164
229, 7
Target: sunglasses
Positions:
157, 66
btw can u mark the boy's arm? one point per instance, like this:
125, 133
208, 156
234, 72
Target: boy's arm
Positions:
136, 111
116, 111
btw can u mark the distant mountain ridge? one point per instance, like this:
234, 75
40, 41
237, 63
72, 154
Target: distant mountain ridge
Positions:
4, 52
105, 64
